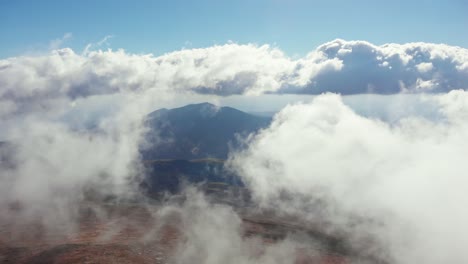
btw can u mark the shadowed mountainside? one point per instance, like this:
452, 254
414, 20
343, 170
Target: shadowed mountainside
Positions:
198, 131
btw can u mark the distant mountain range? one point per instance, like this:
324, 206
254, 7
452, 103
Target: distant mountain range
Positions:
198, 131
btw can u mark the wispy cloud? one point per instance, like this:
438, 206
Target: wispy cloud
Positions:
59, 42
97, 45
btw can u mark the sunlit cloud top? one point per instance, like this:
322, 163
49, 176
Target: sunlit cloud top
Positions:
346, 67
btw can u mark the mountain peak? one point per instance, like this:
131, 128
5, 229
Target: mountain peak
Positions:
205, 109
205, 104
201, 130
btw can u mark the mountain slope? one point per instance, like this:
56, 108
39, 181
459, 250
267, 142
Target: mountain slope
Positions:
198, 131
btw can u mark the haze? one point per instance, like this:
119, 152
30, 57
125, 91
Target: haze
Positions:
208, 132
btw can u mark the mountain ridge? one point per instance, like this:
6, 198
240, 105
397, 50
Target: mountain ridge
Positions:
198, 131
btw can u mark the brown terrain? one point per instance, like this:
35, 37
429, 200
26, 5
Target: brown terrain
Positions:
129, 234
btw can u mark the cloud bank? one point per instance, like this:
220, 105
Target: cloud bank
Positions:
390, 68
402, 186
346, 67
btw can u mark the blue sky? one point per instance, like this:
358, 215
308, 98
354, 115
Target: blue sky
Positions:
295, 26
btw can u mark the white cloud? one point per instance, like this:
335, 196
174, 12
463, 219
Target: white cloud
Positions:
99, 44
347, 67
424, 67
58, 43
57, 162
228, 69
406, 182
213, 234
389, 68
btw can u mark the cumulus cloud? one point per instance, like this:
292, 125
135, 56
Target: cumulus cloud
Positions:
389, 68
346, 67
400, 185
228, 69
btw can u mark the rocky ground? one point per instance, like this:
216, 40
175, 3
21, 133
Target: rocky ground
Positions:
127, 235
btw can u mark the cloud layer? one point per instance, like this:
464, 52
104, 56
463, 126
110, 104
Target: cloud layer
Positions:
402, 186
390, 68
346, 67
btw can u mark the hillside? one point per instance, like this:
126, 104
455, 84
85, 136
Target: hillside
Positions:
197, 131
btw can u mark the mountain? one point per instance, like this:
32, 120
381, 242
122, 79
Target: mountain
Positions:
209, 175
197, 131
